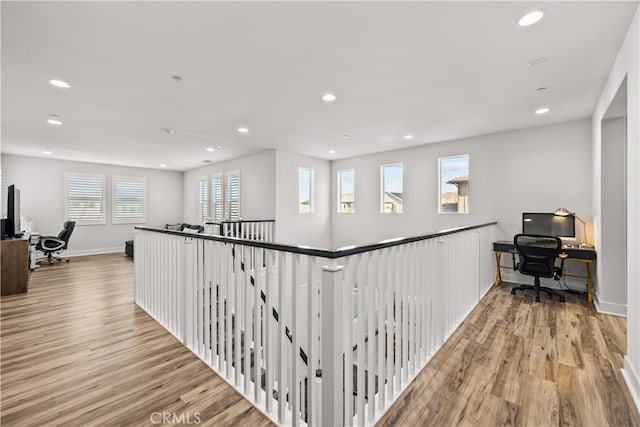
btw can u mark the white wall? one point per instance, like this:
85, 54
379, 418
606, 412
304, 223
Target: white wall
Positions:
611, 287
626, 64
257, 186
291, 226
41, 184
530, 170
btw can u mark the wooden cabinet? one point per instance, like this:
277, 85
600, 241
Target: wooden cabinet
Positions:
15, 266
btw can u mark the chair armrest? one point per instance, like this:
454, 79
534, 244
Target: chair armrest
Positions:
50, 243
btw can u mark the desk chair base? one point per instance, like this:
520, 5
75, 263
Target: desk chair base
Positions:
50, 258
536, 287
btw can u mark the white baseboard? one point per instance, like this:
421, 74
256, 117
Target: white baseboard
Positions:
633, 381
609, 307
98, 251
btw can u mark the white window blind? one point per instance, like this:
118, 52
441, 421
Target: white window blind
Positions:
85, 198
203, 199
232, 195
217, 206
129, 204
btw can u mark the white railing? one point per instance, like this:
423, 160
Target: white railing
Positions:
294, 318
260, 230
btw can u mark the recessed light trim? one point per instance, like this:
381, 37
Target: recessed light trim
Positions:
211, 149
54, 120
59, 83
542, 110
541, 89
346, 136
537, 62
329, 97
163, 165
243, 130
531, 18
332, 151
47, 152
408, 137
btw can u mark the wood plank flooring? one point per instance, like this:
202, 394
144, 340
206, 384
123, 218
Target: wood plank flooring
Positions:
77, 351
517, 362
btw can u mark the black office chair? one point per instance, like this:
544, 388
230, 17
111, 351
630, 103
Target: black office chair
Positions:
51, 245
537, 255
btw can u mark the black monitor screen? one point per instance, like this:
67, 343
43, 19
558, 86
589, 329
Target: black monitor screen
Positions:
549, 224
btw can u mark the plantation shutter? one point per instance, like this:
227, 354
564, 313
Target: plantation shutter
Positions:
232, 193
129, 200
217, 206
203, 189
85, 198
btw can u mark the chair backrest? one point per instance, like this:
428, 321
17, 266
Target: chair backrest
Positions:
537, 254
65, 234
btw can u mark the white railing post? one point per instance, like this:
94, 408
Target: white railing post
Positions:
188, 282
331, 343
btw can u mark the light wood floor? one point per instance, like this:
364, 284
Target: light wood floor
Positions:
76, 351
517, 362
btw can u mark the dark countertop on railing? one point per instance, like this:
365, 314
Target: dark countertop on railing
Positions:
325, 253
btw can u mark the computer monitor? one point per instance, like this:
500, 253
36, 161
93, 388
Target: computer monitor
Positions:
549, 224
13, 226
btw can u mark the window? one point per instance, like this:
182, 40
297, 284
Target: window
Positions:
85, 198
217, 207
129, 200
232, 195
203, 199
392, 197
305, 190
346, 191
454, 184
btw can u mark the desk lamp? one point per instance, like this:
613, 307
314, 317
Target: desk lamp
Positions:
566, 212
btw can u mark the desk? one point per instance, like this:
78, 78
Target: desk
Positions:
586, 255
15, 266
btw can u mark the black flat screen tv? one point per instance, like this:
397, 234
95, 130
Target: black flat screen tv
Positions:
549, 224
13, 226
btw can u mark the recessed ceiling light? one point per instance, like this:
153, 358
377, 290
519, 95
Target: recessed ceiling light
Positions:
218, 147
59, 83
537, 62
332, 151
243, 130
531, 18
328, 97
176, 79
408, 137
210, 149
47, 152
167, 131
541, 89
346, 136
54, 120
163, 165
543, 110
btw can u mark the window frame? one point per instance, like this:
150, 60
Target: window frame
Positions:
103, 179
382, 181
207, 201
440, 159
312, 203
122, 178
225, 195
339, 191
212, 202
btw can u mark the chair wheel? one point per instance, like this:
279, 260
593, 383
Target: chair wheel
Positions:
537, 299
68, 260
513, 291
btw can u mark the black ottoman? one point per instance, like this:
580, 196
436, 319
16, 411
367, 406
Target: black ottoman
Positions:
128, 248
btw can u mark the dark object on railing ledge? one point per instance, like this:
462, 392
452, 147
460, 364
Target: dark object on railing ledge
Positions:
183, 226
324, 253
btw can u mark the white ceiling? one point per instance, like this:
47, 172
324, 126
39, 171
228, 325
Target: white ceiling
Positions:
436, 70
